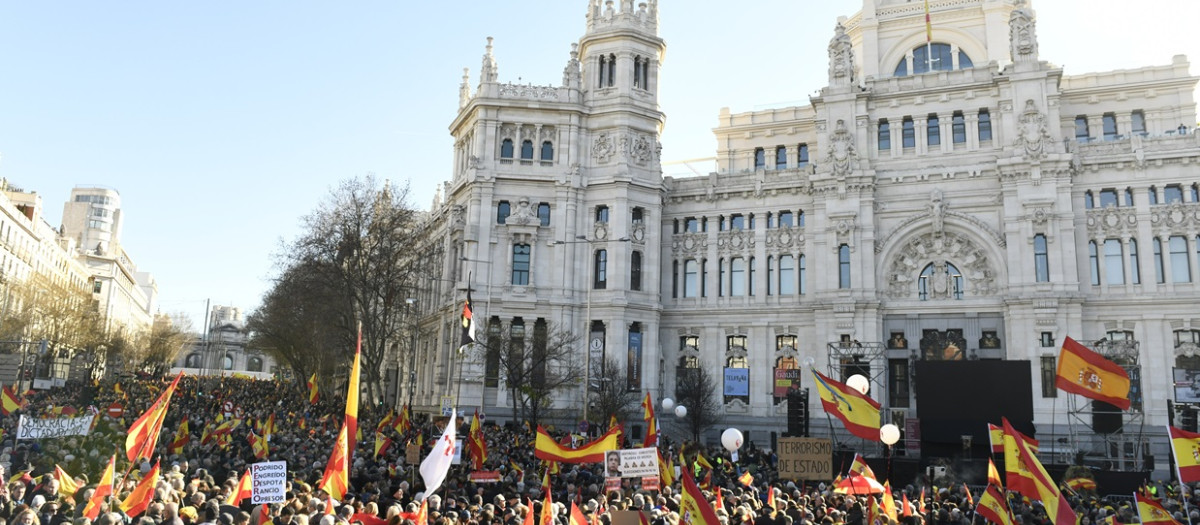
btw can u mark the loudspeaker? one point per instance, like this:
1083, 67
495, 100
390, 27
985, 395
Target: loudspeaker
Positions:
797, 414
1106, 419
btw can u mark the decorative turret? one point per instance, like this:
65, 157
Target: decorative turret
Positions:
464, 89
603, 15
572, 76
841, 58
490, 72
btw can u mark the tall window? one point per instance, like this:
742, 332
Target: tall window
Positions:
547, 150
750, 277
690, 283
1138, 123
1094, 263
635, 271
1159, 272
503, 210
608, 70
771, 277
601, 213
612, 70
885, 135
760, 158
674, 279
1081, 128
1129, 196
1194, 192
1114, 262
1172, 193
1108, 197
785, 219
637, 72
908, 133
601, 272
1041, 259
844, 266
800, 219
737, 222
787, 275
1110, 126
1089, 200
985, 125
544, 213
1181, 272
781, 158
958, 128
803, 274
1049, 373
737, 277
720, 277
802, 156
638, 215
506, 149
527, 150
1135, 268
703, 277
520, 265
933, 131
898, 383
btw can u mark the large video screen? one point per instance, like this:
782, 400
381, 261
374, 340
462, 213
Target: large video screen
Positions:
1187, 385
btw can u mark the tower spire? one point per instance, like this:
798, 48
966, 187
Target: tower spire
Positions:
490, 72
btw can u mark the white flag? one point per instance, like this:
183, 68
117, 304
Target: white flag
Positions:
437, 464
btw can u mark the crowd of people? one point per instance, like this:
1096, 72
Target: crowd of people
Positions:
197, 479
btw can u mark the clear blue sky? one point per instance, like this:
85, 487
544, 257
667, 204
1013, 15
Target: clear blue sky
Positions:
222, 123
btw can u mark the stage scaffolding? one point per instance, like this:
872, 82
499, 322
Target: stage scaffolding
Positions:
1112, 437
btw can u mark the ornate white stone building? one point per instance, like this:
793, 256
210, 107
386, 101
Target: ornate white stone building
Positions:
959, 198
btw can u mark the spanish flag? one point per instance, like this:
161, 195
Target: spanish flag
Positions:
381, 444
137, 501
336, 479
546, 448
996, 438
404, 422
888, 502
66, 484
103, 490
243, 489
386, 421
693, 508
1078, 484
476, 445
859, 413
1186, 447
1019, 479
993, 475
993, 507
651, 424
860, 466
1091, 375
547, 517
9, 401
666, 469
314, 392
259, 445
143, 434
1151, 511
1057, 507
577, 517
182, 437
351, 419
746, 479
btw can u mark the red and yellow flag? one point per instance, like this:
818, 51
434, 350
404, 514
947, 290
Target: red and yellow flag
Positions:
888, 502
66, 484
351, 419
666, 470
546, 448
746, 479
970, 499
1151, 511
577, 517
1044, 488
137, 501
404, 422
993, 507
381, 444
860, 466
143, 434
1186, 447
182, 437
259, 445
9, 401
1091, 375
858, 412
336, 479
1078, 484
693, 508
651, 423
993, 475
103, 490
314, 392
906, 509
547, 517
476, 445
243, 490
928, 24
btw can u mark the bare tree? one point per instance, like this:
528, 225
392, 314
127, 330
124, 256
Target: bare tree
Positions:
535, 362
41, 308
615, 398
361, 239
697, 391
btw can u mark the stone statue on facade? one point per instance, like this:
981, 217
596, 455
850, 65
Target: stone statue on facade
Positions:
490, 72
1022, 33
842, 152
572, 77
937, 212
841, 57
1032, 133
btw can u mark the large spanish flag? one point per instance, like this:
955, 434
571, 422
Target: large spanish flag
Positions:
143, 434
137, 501
103, 490
1019, 479
336, 479
1151, 511
546, 448
651, 425
857, 411
9, 401
693, 508
351, 421
993, 507
243, 490
1091, 375
1057, 507
1186, 447
314, 391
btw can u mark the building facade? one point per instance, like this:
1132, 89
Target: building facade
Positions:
224, 350
952, 198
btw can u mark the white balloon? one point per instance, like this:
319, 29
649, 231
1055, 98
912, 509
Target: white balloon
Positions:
668, 403
858, 382
680, 411
889, 434
731, 439
809, 361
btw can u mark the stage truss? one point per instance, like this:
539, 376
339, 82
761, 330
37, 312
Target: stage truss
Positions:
1124, 447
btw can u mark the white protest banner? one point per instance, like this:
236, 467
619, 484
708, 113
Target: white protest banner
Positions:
631, 463
269, 483
29, 428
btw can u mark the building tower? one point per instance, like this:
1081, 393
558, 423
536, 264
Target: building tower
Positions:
92, 217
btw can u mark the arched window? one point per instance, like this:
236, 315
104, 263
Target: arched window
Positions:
932, 57
781, 158
527, 150
940, 280
254, 364
506, 149
547, 150
227, 363
194, 361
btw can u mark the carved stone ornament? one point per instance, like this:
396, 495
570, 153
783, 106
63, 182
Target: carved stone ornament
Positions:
603, 148
842, 153
1032, 135
1112, 220
600, 231
906, 265
785, 238
841, 57
523, 214
1176, 217
689, 244
735, 242
937, 212
1022, 33
640, 151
